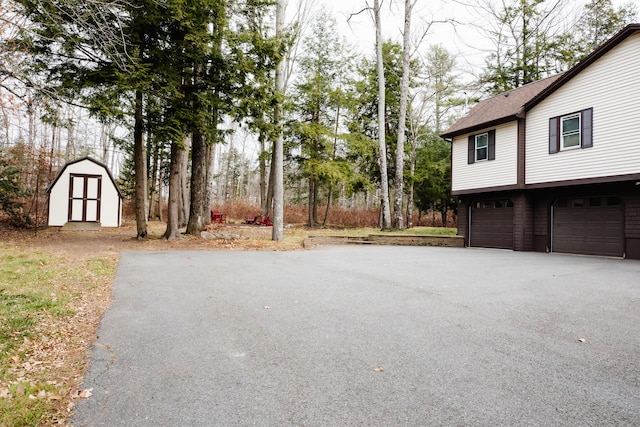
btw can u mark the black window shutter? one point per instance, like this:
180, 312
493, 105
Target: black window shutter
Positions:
554, 140
492, 145
586, 124
472, 149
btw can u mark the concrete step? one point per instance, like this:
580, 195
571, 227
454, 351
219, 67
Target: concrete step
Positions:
81, 226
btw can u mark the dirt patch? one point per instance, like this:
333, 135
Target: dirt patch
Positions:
110, 241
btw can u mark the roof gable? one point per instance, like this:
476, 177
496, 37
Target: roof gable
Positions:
500, 109
590, 59
512, 104
106, 169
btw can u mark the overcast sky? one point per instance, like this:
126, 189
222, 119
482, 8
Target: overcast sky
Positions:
464, 40
461, 39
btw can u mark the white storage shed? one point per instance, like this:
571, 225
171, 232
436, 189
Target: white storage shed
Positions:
84, 192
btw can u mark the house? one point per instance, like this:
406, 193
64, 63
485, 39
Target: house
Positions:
84, 192
554, 166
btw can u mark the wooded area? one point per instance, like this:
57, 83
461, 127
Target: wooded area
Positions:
200, 102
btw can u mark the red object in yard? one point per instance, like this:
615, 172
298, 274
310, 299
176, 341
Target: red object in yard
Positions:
259, 220
218, 218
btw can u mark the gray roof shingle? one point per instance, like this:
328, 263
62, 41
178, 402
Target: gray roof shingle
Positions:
499, 109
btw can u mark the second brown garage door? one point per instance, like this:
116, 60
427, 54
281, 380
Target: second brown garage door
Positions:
492, 224
591, 226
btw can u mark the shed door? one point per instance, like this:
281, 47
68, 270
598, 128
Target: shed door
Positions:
591, 226
492, 224
84, 197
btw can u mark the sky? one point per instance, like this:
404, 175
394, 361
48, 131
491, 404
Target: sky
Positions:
461, 39
465, 40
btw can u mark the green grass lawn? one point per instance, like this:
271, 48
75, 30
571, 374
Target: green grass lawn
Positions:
36, 293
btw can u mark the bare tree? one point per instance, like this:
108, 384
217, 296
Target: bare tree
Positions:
173, 205
382, 144
404, 95
184, 199
275, 192
277, 165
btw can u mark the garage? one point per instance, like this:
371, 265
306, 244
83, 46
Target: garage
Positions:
588, 225
491, 224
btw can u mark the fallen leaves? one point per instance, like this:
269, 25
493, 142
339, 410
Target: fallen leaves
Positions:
40, 391
81, 394
44, 370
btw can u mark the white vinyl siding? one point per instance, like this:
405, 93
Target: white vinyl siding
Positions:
611, 86
501, 171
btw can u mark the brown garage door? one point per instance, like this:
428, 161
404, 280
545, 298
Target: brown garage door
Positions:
591, 226
492, 224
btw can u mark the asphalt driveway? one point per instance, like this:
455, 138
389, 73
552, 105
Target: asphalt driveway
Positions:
367, 336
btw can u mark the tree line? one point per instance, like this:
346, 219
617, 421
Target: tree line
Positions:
185, 76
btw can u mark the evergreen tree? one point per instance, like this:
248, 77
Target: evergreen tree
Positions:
433, 177
12, 190
362, 121
177, 69
598, 22
317, 105
522, 35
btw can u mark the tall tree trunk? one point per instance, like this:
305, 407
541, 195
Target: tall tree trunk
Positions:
211, 158
198, 182
277, 232
326, 210
412, 173
173, 205
402, 120
310, 203
227, 175
199, 165
313, 202
70, 150
269, 200
154, 188
51, 152
160, 218
104, 145
140, 166
183, 163
333, 157
262, 161
382, 144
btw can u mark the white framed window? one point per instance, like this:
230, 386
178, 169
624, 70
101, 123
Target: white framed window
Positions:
570, 132
482, 146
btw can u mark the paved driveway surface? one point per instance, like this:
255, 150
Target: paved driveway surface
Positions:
367, 336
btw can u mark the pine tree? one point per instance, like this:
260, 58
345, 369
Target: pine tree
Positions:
316, 110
